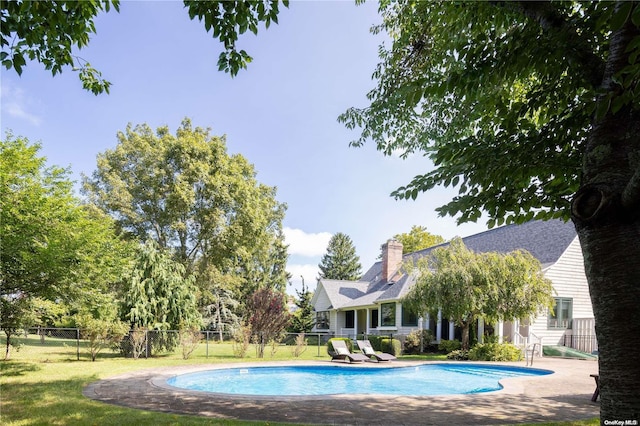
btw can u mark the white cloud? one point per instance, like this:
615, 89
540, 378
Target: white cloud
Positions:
16, 104
303, 244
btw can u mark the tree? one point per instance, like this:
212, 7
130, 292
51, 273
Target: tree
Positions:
53, 247
269, 316
303, 318
160, 296
269, 266
467, 286
16, 314
47, 32
190, 196
340, 262
530, 110
220, 308
417, 239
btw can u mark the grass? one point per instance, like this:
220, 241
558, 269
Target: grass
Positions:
42, 383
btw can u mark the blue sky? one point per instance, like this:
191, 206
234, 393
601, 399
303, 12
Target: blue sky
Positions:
280, 114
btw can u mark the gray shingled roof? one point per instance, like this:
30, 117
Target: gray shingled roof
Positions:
545, 240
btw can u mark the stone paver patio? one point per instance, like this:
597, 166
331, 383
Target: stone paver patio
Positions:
562, 396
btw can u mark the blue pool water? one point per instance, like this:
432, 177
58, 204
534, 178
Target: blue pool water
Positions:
427, 379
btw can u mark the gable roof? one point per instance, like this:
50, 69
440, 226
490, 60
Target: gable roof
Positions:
545, 240
345, 294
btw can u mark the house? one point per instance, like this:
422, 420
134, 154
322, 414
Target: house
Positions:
373, 304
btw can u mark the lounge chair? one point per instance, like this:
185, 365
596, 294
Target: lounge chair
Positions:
342, 352
367, 349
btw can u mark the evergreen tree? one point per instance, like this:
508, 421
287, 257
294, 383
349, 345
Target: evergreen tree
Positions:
161, 296
303, 318
340, 262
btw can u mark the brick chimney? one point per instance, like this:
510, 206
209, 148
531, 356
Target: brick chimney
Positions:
391, 259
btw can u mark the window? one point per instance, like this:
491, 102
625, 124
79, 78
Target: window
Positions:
560, 315
388, 314
374, 318
349, 319
322, 320
409, 319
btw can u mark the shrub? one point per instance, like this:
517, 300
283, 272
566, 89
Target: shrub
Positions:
189, 340
449, 345
458, 355
273, 345
391, 346
134, 344
346, 340
300, 346
495, 352
376, 342
101, 333
241, 340
412, 342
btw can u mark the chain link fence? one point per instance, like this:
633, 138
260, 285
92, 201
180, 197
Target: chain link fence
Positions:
71, 344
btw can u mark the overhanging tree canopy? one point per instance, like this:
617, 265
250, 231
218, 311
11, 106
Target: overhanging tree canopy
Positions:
531, 110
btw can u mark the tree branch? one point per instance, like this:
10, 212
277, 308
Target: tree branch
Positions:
591, 66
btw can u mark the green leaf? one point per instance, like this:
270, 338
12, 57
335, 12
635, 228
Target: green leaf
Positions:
617, 103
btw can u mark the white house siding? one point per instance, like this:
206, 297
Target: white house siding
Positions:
322, 303
569, 281
333, 321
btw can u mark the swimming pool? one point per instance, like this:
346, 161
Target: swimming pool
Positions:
421, 380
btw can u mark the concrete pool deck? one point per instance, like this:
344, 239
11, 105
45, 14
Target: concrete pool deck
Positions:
562, 396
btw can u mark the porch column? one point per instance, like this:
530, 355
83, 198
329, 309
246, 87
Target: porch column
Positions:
500, 331
439, 326
452, 330
481, 330
427, 322
355, 323
366, 327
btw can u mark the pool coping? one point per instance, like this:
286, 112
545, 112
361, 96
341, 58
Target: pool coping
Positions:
561, 396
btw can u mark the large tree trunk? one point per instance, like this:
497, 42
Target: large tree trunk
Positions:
606, 212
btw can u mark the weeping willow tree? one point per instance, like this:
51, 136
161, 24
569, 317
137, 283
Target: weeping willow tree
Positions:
467, 286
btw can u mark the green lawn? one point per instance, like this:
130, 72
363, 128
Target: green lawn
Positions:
42, 384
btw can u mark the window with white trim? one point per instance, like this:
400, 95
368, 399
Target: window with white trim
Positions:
388, 314
322, 320
561, 314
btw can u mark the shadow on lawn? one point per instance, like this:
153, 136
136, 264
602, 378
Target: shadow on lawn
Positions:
61, 402
12, 369
42, 402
